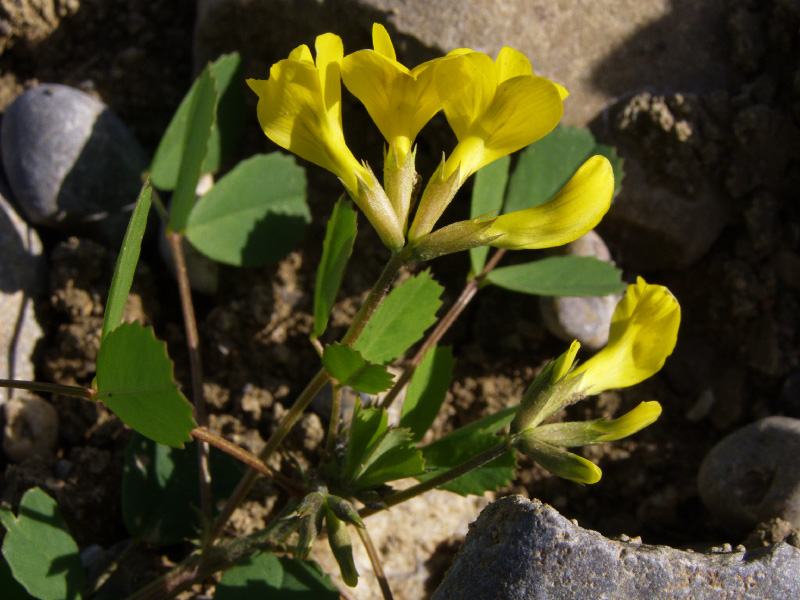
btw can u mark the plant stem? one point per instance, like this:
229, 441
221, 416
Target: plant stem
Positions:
374, 299
195, 365
372, 553
333, 425
467, 294
50, 388
251, 460
473, 463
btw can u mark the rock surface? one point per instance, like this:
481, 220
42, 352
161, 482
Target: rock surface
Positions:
753, 475
31, 428
71, 163
520, 549
597, 50
22, 278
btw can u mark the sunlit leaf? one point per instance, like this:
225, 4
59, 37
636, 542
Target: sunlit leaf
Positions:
253, 215
349, 368
336, 250
200, 120
126, 262
560, 276
401, 320
169, 154
39, 550
134, 379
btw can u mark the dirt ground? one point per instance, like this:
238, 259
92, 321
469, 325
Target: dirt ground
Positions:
739, 338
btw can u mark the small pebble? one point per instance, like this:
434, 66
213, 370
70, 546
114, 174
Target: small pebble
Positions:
71, 163
585, 319
753, 475
22, 279
31, 428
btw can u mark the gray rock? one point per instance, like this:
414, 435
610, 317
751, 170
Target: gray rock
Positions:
520, 549
22, 278
71, 163
753, 475
585, 319
598, 50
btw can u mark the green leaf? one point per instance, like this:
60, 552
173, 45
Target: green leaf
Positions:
560, 276
459, 447
401, 320
545, 166
160, 491
222, 143
169, 154
377, 454
427, 391
348, 367
487, 197
255, 214
336, 250
39, 550
267, 577
126, 262
200, 120
12, 589
134, 379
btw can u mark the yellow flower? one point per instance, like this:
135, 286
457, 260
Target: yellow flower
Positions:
399, 100
643, 333
299, 108
494, 108
577, 208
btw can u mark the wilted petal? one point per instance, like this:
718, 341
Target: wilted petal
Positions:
577, 208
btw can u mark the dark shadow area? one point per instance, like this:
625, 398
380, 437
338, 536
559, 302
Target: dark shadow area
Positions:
684, 51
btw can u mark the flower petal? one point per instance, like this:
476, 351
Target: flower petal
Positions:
512, 63
643, 333
382, 42
576, 209
466, 84
586, 433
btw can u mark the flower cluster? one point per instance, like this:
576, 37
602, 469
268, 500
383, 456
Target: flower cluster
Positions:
644, 329
494, 107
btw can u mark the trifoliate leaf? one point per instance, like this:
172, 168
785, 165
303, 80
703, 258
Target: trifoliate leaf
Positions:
427, 391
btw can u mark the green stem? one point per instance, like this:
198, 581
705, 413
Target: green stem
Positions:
475, 462
375, 559
195, 365
50, 388
251, 460
467, 294
374, 299
333, 425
